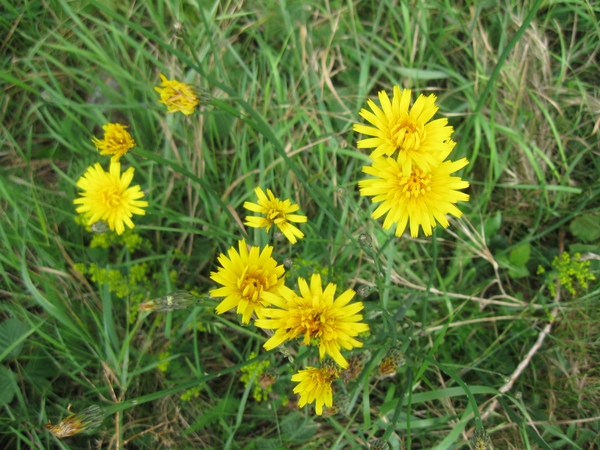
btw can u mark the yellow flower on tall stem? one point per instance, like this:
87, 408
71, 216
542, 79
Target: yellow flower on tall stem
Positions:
117, 141
250, 280
398, 127
277, 212
177, 95
331, 322
108, 197
423, 197
315, 385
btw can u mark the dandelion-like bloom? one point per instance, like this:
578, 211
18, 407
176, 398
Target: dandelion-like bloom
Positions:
333, 324
87, 419
397, 126
424, 197
177, 95
315, 384
250, 280
108, 197
276, 212
117, 141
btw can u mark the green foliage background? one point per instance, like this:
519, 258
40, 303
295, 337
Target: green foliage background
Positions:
518, 81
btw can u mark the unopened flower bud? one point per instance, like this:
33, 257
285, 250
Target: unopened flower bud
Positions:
356, 364
365, 240
100, 227
267, 378
91, 417
171, 302
379, 444
178, 30
480, 439
364, 291
393, 359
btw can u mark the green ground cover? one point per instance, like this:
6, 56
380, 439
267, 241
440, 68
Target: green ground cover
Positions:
490, 324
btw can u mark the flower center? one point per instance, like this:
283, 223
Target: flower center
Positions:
117, 141
407, 134
314, 322
418, 183
253, 284
275, 215
112, 197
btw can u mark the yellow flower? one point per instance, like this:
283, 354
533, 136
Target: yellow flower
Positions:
116, 141
408, 130
87, 419
250, 280
316, 315
178, 96
315, 384
424, 197
108, 197
277, 212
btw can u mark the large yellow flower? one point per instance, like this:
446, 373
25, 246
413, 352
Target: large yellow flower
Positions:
333, 324
250, 280
116, 141
276, 212
108, 197
423, 197
315, 384
397, 127
177, 95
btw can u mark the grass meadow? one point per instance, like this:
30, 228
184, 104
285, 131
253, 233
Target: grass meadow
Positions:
483, 335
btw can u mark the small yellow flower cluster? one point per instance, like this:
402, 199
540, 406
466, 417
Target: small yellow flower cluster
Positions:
253, 283
107, 199
412, 175
571, 274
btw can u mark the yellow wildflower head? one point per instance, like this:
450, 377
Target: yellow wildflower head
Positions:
117, 141
315, 314
398, 127
250, 280
177, 95
108, 197
90, 417
315, 385
423, 197
277, 213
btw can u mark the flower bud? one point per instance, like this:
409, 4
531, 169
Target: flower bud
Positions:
171, 302
91, 417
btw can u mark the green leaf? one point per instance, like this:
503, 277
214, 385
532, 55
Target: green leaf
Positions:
518, 272
8, 386
520, 256
586, 227
13, 333
492, 225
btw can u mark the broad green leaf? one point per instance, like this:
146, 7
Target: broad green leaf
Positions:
586, 227
519, 256
518, 272
12, 335
8, 386
492, 225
